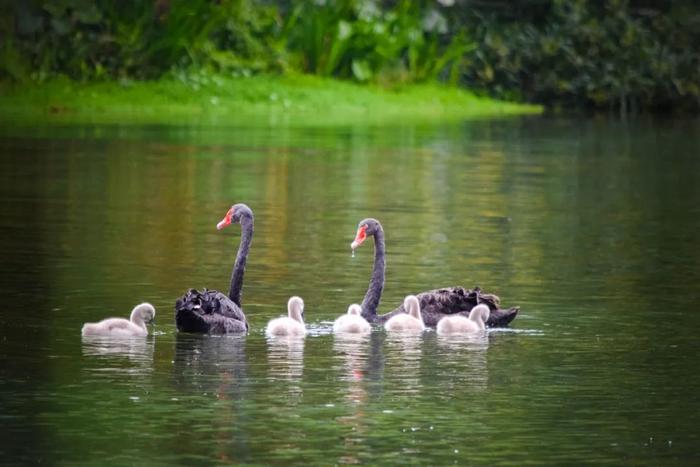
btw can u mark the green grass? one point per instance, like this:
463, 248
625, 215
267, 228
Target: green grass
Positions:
290, 100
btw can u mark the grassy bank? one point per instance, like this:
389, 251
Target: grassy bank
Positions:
295, 100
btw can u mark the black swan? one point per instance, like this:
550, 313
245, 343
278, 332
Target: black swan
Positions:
290, 325
212, 312
352, 322
119, 327
458, 324
434, 304
411, 321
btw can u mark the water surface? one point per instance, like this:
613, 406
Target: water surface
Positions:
589, 225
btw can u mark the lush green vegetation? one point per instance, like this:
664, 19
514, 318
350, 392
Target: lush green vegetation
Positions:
622, 54
293, 99
619, 54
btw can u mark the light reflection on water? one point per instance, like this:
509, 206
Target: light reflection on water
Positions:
589, 227
109, 354
285, 356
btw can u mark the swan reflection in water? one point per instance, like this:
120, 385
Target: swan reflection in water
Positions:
213, 367
212, 364
285, 358
111, 353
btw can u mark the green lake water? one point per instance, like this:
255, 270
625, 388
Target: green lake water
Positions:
591, 226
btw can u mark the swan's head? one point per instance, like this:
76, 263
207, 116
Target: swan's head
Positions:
355, 309
365, 228
235, 215
412, 306
145, 311
295, 309
481, 312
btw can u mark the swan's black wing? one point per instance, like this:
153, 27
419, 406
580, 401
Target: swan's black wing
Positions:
209, 312
435, 304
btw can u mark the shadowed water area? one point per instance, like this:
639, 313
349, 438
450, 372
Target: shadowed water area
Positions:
591, 226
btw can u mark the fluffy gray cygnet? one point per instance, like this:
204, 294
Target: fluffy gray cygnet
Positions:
412, 321
291, 325
352, 322
119, 327
459, 324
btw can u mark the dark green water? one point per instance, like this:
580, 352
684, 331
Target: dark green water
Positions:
591, 226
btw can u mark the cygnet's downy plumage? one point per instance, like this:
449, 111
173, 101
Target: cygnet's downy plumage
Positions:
291, 325
412, 321
119, 327
352, 322
459, 324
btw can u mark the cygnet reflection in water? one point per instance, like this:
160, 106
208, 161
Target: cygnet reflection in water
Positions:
110, 352
111, 359
403, 356
285, 357
351, 364
352, 352
461, 361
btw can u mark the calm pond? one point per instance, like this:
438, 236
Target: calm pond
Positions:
591, 226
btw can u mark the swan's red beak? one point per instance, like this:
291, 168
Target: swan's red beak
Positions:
360, 237
226, 220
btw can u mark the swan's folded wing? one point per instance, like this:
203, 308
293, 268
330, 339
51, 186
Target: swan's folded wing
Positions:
221, 304
208, 312
448, 300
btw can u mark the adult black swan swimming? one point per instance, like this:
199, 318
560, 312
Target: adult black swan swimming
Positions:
212, 312
434, 304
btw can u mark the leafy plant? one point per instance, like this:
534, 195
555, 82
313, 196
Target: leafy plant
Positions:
357, 39
143, 39
587, 55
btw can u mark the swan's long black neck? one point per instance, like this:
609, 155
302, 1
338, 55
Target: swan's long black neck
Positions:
376, 283
234, 292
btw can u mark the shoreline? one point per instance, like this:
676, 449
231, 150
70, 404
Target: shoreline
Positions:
297, 100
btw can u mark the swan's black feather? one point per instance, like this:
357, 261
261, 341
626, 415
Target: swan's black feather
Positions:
435, 304
209, 312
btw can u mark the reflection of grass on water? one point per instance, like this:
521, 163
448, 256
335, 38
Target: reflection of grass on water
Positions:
291, 100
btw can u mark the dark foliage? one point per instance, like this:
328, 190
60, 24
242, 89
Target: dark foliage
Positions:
625, 55
87, 39
574, 53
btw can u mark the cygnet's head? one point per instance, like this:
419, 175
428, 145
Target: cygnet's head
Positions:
145, 311
480, 312
412, 306
355, 309
295, 308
